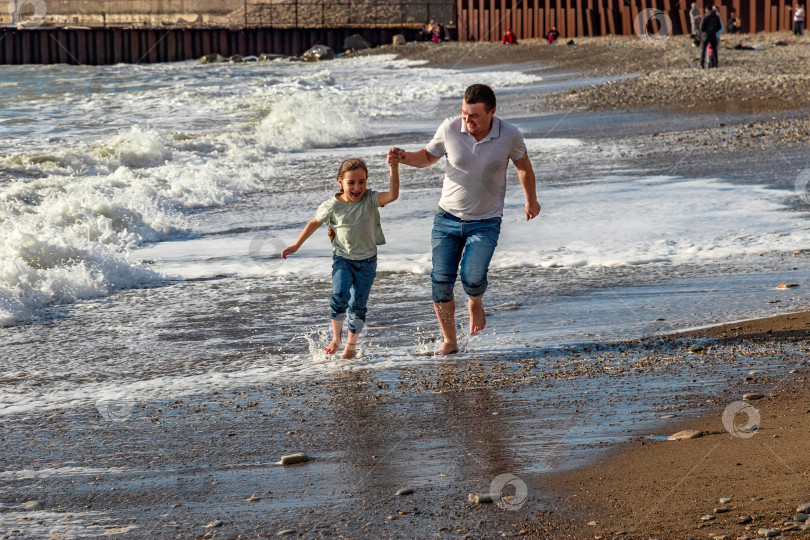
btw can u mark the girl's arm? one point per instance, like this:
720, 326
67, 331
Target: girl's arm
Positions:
393, 188
309, 228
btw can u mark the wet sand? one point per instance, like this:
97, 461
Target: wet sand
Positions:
673, 489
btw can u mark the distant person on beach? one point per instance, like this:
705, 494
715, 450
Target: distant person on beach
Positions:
734, 23
798, 21
710, 26
552, 35
478, 147
353, 214
427, 32
694, 15
509, 38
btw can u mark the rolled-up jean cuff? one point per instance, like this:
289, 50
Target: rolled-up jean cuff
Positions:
442, 292
475, 291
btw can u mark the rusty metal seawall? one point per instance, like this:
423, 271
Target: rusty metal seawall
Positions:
487, 20
99, 46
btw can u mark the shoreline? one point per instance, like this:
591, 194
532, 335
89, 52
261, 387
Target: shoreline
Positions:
648, 488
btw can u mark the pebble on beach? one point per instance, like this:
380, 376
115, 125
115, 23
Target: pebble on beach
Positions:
685, 435
404, 491
31, 505
285, 532
751, 397
483, 498
292, 459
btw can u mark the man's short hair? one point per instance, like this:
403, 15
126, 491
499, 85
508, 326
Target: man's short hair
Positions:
480, 93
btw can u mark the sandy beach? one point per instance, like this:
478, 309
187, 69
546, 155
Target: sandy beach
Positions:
571, 440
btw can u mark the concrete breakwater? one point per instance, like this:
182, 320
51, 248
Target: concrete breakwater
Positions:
100, 46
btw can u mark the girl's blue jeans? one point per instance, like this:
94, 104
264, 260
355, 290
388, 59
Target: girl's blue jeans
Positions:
351, 284
470, 243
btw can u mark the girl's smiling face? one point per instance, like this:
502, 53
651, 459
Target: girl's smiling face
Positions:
353, 185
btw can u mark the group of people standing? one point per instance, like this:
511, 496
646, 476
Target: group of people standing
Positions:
706, 29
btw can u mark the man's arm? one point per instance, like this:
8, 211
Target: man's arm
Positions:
420, 158
527, 180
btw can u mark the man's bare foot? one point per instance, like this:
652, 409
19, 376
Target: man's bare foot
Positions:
332, 347
348, 353
447, 348
478, 319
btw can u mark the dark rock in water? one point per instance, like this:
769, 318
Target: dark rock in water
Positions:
355, 42
236, 59
251, 58
214, 58
266, 57
318, 52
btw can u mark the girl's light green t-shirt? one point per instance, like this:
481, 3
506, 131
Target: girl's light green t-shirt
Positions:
357, 225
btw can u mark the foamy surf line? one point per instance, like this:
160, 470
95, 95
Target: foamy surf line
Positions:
601, 222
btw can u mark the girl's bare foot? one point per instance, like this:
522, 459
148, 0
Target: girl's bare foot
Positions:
478, 319
351, 346
447, 348
337, 333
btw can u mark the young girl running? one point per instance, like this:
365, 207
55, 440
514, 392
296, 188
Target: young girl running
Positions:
354, 215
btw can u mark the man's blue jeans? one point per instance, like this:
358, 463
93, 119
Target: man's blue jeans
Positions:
351, 284
470, 243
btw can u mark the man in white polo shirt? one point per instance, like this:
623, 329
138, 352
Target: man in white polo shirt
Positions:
478, 147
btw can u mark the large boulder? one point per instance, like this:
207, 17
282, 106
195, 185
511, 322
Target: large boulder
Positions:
355, 42
318, 52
